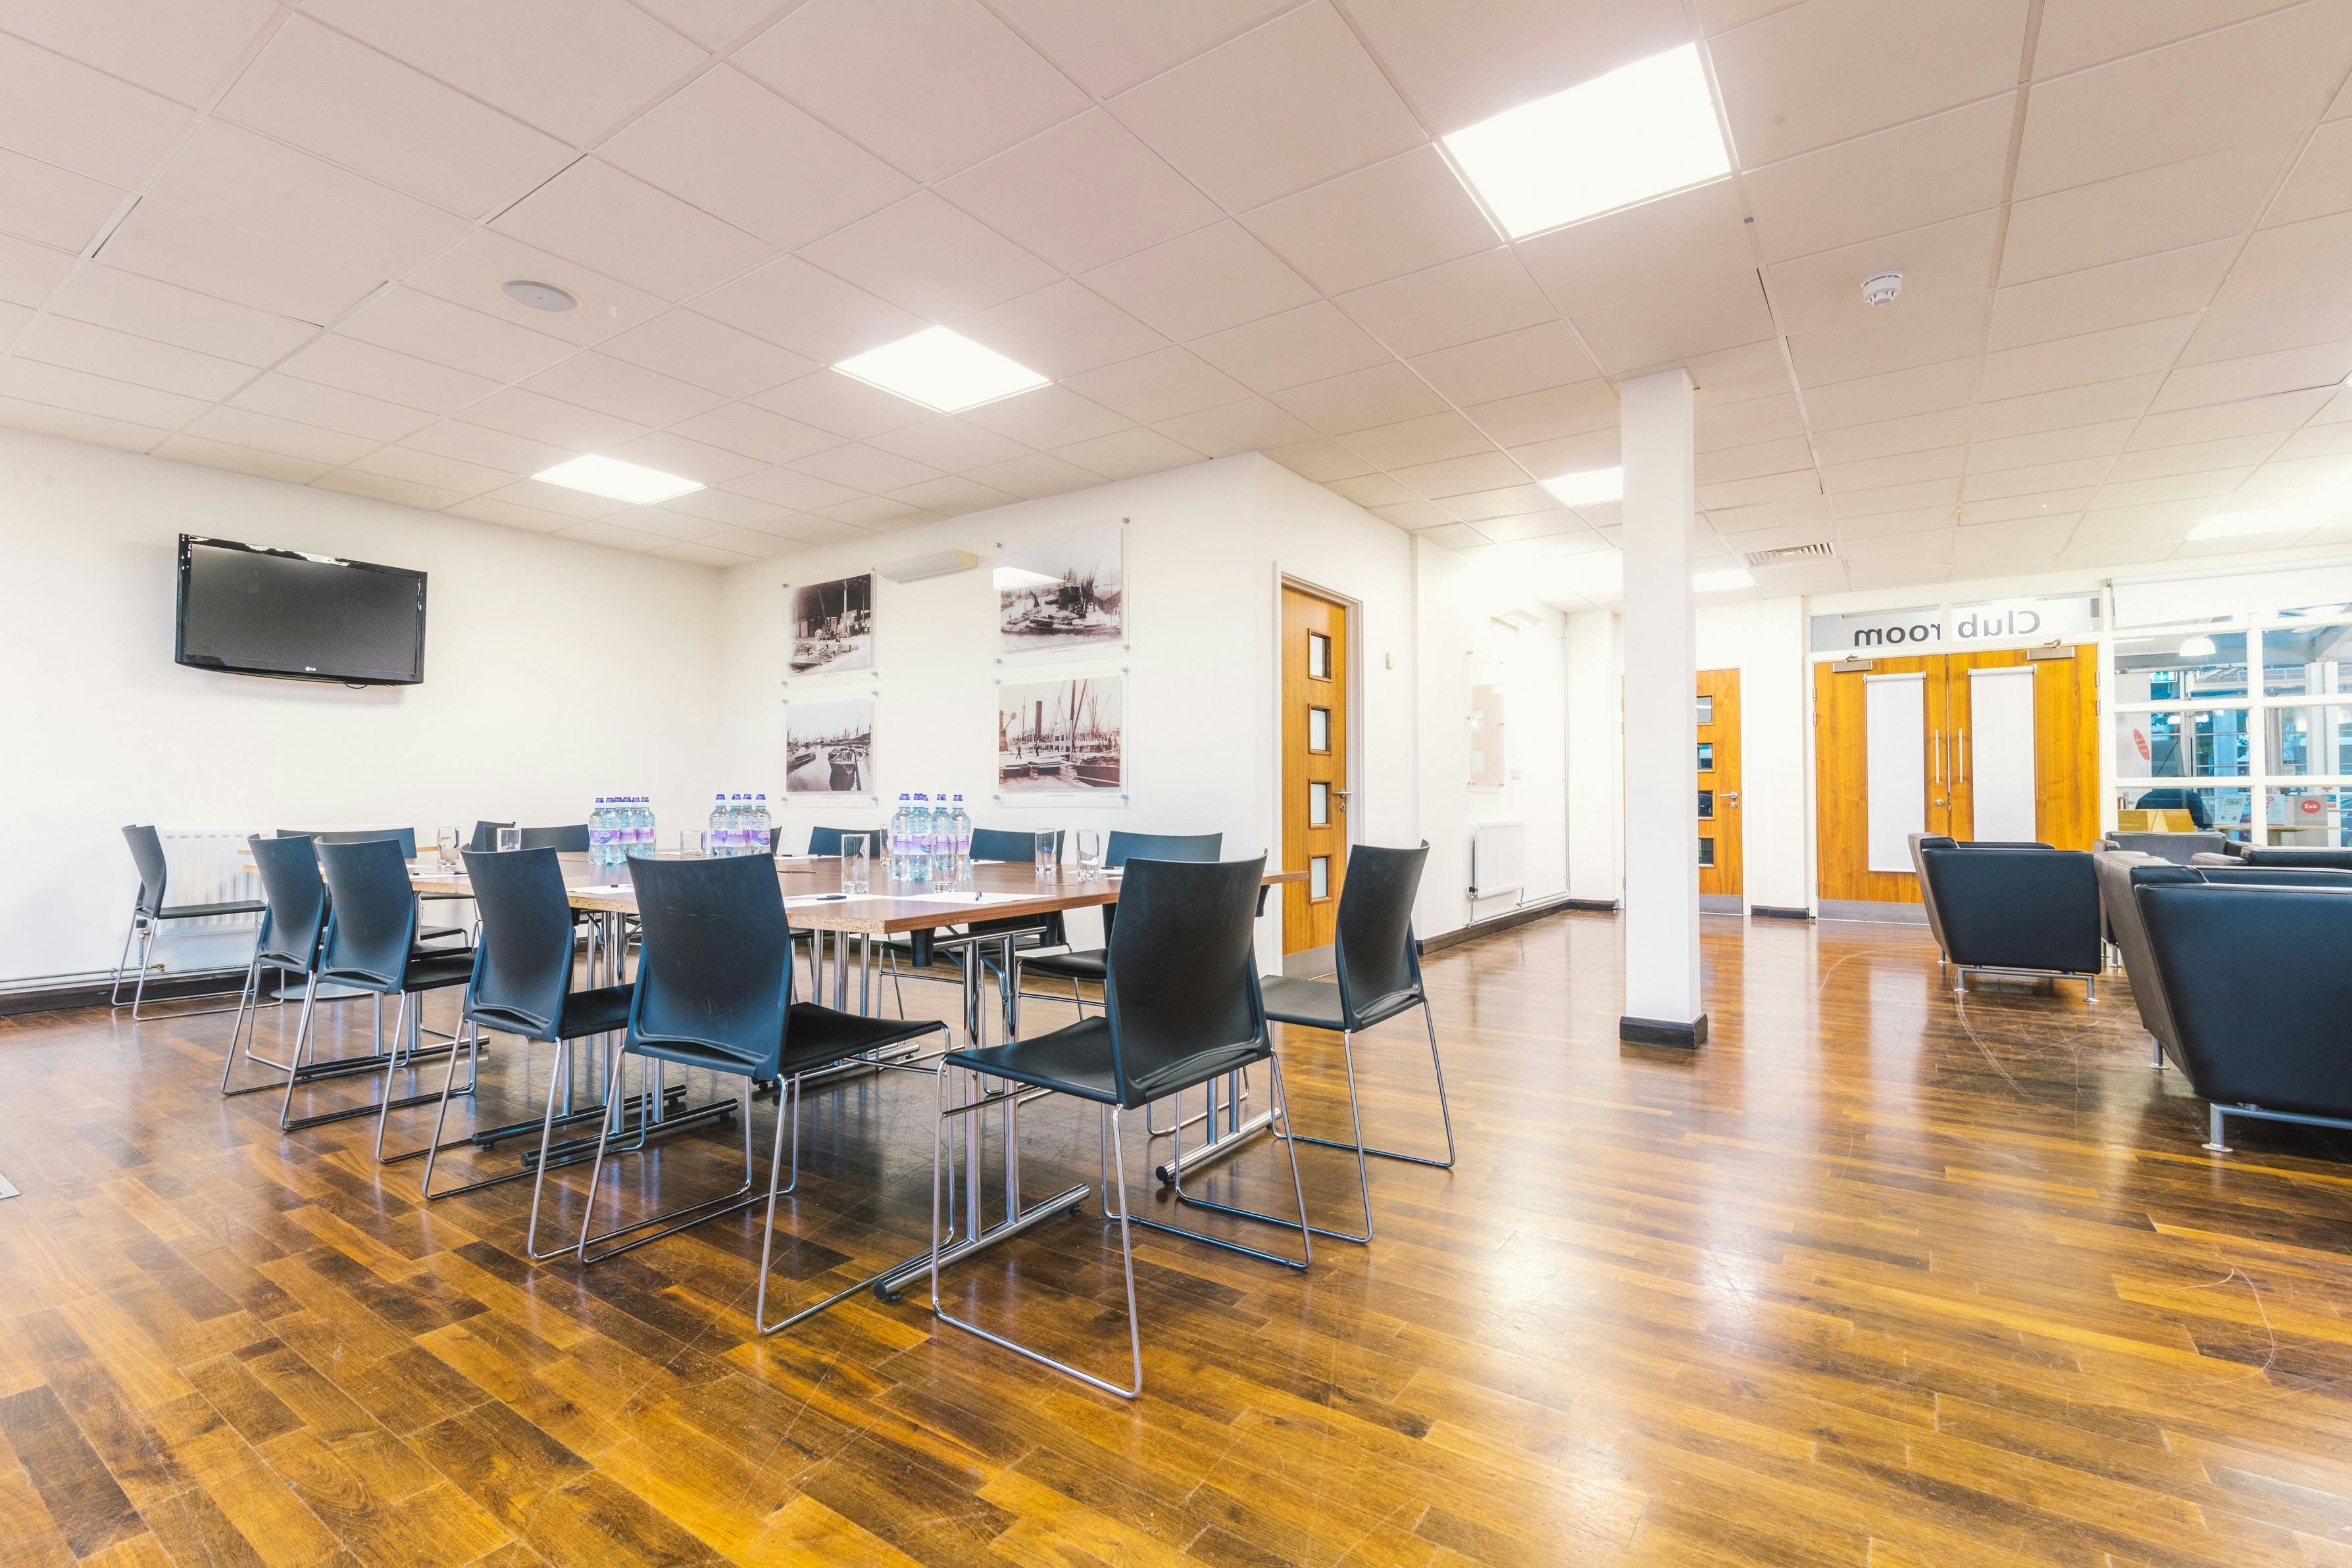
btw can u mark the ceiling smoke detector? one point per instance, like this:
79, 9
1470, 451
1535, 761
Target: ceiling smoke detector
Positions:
1881, 288
537, 296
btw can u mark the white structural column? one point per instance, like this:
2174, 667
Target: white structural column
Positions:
1663, 1005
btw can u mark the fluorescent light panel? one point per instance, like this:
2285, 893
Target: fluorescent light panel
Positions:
1640, 131
1716, 582
1587, 488
2318, 506
618, 481
941, 369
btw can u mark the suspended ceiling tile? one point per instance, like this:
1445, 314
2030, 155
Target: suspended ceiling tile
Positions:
2211, 197
1134, 200
1205, 281
2170, 283
1926, 173
611, 221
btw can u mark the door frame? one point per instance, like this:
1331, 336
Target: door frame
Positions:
1313, 961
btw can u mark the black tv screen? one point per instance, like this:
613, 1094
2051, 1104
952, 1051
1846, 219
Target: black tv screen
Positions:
255, 611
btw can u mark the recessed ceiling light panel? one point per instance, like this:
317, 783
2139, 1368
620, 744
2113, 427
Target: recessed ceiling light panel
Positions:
1717, 581
1587, 487
539, 296
618, 481
2325, 503
1640, 131
941, 369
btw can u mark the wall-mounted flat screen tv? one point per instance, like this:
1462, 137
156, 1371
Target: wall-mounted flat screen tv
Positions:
255, 611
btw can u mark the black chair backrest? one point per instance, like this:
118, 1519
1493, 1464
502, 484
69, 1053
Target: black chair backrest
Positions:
523, 968
373, 925
570, 841
297, 897
1374, 947
2300, 857
147, 854
2190, 801
998, 844
486, 836
717, 970
404, 837
1120, 848
828, 841
2253, 1029
1183, 973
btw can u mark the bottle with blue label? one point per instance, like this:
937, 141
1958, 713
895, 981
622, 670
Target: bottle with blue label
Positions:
600, 833
762, 836
645, 834
918, 841
718, 825
901, 831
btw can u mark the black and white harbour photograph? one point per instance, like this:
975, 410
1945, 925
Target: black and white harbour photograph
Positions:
829, 746
1066, 593
1066, 734
832, 625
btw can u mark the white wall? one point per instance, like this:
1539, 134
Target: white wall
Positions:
1764, 642
1463, 645
553, 672
1593, 647
1206, 548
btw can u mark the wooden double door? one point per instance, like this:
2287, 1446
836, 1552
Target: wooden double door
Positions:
1995, 744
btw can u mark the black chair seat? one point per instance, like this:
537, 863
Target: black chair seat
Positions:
1316, 1004
1077, 1060
1086, 964
604, 1011
203, 911
815, 1037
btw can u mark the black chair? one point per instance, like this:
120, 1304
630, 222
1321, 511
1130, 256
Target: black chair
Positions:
2192, 802
370, 945
1181, 1006
2292, 857
1089, 964
406, 839
828, 841
1379, 977
486, 836
521, 984
2258, 1037
148, 910
714, 990
2176, 848
2010, 908
2122, 873
922, 948
570, 840
293, 919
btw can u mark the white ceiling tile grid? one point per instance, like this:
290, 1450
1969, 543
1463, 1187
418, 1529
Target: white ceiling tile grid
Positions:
275, 240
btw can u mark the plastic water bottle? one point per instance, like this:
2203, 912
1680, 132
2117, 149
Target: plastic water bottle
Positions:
918, 841
942, 836
600, 833
718, 825
762, 828
961, 819
645, 835
901, 831
739, 824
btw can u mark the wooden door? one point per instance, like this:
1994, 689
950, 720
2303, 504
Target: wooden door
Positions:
1719, 781
1841, 777
2065, 761
1315, 795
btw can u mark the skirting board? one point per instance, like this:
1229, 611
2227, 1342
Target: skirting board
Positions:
1884, 914
1503, 922
1777, 912
58, 998
1661, 1032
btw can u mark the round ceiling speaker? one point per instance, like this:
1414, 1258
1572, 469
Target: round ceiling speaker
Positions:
537, 295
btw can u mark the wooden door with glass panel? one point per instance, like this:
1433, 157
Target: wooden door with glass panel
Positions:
1719, 781
1315, 795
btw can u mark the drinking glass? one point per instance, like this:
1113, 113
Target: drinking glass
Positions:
694, 841
1089, 855
856, 862
449, 840
1049, 853
509, 838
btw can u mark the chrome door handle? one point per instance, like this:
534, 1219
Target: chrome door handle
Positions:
1939, 758
1730, 797
1960, 756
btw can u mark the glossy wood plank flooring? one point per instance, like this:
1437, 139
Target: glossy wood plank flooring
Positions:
1880, 1277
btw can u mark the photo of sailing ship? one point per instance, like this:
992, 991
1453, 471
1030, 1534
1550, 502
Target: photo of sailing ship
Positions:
1066, 736
1061, 593
829, 747
832, 625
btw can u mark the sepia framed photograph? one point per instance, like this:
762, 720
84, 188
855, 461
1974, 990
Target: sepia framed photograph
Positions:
829, 746
1055, 595
832, 625
1062, 736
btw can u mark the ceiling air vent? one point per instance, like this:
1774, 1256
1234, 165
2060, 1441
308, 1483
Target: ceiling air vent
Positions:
1789, 554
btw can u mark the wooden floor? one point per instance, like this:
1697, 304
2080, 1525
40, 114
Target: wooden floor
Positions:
1880, 1276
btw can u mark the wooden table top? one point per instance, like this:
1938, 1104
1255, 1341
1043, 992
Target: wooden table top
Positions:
813, 900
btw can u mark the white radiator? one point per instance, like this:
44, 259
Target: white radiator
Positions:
1499, 859
205, 866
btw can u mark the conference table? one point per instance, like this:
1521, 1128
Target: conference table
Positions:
989, 891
